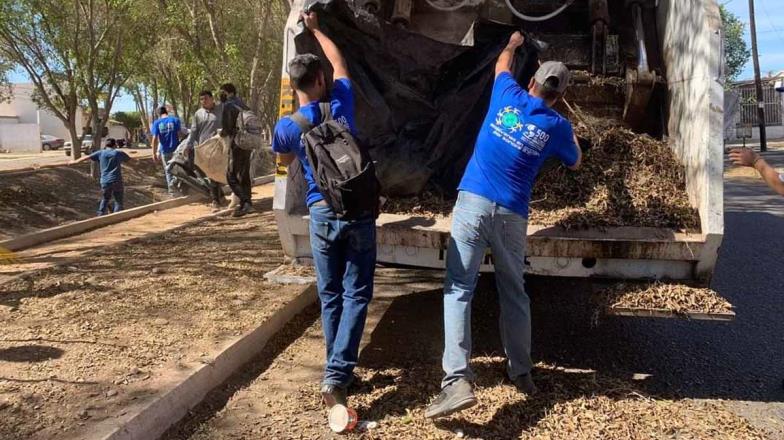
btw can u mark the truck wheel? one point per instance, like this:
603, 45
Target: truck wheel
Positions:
67, 152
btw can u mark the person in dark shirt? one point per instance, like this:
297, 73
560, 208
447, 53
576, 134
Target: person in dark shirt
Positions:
238, 175
110, 160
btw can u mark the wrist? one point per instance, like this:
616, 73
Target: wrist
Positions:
758, 160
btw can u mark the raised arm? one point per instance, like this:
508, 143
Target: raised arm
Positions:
81, 159
505, 60
748, 158
331, 51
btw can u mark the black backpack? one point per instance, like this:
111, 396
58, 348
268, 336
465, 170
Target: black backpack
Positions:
342, 169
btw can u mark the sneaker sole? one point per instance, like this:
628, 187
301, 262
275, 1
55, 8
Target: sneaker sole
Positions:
465, 404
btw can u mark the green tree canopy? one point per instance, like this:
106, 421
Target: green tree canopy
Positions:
736, 51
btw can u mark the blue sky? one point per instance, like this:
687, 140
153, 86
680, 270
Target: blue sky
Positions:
770, 33
770, 37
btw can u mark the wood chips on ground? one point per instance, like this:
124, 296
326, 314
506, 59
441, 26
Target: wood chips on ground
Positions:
400, 372
677, 298
34, 200
626, 180
82, 341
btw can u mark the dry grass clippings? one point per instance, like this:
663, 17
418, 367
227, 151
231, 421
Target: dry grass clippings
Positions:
677, 298
626, 179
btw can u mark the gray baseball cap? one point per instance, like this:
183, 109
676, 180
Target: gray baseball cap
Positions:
553, 69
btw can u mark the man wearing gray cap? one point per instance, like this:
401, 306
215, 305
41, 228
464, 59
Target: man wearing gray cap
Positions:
520, 131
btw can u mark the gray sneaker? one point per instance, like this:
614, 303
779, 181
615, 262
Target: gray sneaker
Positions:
525, 384
333, 395
455, 397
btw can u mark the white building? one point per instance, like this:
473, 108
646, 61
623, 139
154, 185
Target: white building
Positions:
22, 121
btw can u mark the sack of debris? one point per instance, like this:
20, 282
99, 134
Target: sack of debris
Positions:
181, 167
212, 157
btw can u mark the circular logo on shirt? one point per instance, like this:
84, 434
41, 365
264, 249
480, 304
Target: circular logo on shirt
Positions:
509, 118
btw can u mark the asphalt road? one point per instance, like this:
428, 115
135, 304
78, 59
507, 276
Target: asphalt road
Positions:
742, 361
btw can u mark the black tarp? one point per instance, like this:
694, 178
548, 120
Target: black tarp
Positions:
419, 103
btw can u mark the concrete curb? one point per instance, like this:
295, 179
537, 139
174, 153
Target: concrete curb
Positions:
152, 419
35, 238
58, 232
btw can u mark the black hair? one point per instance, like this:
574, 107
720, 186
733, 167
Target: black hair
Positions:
304, 71
229, 88
163, 111
205, 93
549, 90
111, 143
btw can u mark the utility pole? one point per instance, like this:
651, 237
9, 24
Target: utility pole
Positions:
757, 81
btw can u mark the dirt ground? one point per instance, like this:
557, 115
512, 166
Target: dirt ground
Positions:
277, 396
81, 342
33, 200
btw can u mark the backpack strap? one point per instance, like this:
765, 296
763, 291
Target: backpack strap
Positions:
326, 111
302, 122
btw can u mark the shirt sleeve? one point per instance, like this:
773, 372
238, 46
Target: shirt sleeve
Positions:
194, 134
123, 156
566, 149
284, 137
95, 157
504, 87
342, 103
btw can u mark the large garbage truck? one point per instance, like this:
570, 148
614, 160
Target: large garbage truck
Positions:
422, 75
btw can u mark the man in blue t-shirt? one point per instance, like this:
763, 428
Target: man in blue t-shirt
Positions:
520, 131
165, 139
344, 252
110, 160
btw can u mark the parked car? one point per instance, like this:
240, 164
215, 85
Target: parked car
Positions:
51, 142
87, 145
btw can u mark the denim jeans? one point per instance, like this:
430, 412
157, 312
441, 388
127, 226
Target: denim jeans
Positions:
115, 190
344, 253
478, 223
171, 180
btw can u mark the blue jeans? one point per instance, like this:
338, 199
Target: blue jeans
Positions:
344, 253
478, 223
108, 191
171, 180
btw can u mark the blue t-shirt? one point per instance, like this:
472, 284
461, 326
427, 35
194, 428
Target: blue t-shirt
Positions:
288, 136
519, 133
167, 129
111, 164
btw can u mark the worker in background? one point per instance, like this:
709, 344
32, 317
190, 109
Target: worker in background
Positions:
238, 175
205, 124
344, 251
165, 138
520, 131
110, 160
746, 157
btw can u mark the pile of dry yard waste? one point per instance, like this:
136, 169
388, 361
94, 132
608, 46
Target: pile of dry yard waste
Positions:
678, 298
626, 179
